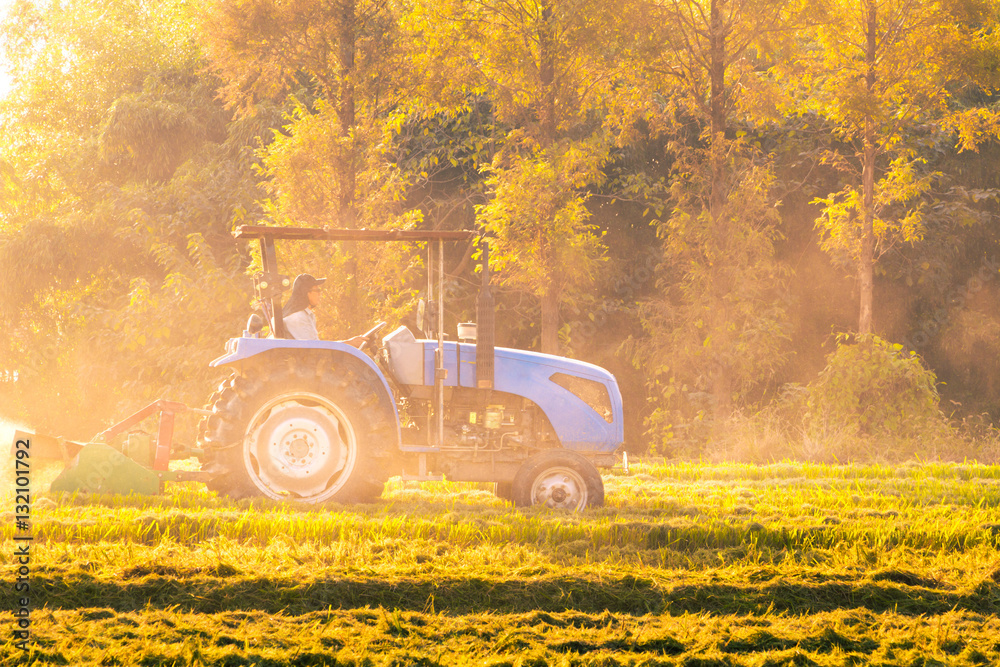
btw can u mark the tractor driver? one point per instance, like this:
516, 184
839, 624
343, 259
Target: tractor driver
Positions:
300, 322
298, 316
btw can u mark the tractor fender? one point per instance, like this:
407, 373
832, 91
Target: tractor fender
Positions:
242, 349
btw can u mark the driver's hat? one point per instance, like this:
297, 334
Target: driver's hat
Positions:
306, 282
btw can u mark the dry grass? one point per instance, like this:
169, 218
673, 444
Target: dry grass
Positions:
689, 564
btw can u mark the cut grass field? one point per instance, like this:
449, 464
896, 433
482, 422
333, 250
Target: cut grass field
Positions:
690, 565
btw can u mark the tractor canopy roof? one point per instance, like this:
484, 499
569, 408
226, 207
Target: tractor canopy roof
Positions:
329, 234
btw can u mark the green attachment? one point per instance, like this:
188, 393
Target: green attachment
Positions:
99, 468
139, 448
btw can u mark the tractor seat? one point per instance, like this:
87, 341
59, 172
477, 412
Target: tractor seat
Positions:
406, 356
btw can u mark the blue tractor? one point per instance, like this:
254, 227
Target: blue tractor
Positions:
317, 420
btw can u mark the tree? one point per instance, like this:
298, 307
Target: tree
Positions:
339, 69
538, 217
719, 325
713, 53
877, 70
340, 63
544, 66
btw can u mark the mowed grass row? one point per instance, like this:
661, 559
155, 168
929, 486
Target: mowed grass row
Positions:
719, 566
363, 637
306, 586
644, 512
954, 531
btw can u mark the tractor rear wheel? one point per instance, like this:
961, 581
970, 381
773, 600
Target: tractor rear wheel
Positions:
308, 430
558, 479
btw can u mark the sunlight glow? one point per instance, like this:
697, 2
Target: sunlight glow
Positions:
5, 77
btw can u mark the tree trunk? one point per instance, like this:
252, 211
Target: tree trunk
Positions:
867, 259
717, 104
547, 138
722, 376
550, 320
546, 76
346, 115
352, 300
722, 393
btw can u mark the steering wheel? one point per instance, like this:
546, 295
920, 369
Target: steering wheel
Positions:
371, 337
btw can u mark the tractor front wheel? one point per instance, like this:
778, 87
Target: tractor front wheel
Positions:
558, 479
308, 431
301, 444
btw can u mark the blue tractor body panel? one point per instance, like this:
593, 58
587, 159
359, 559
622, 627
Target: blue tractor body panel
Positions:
238, 349
586, 420
578, 425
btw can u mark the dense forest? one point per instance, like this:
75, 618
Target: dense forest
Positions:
775, 221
